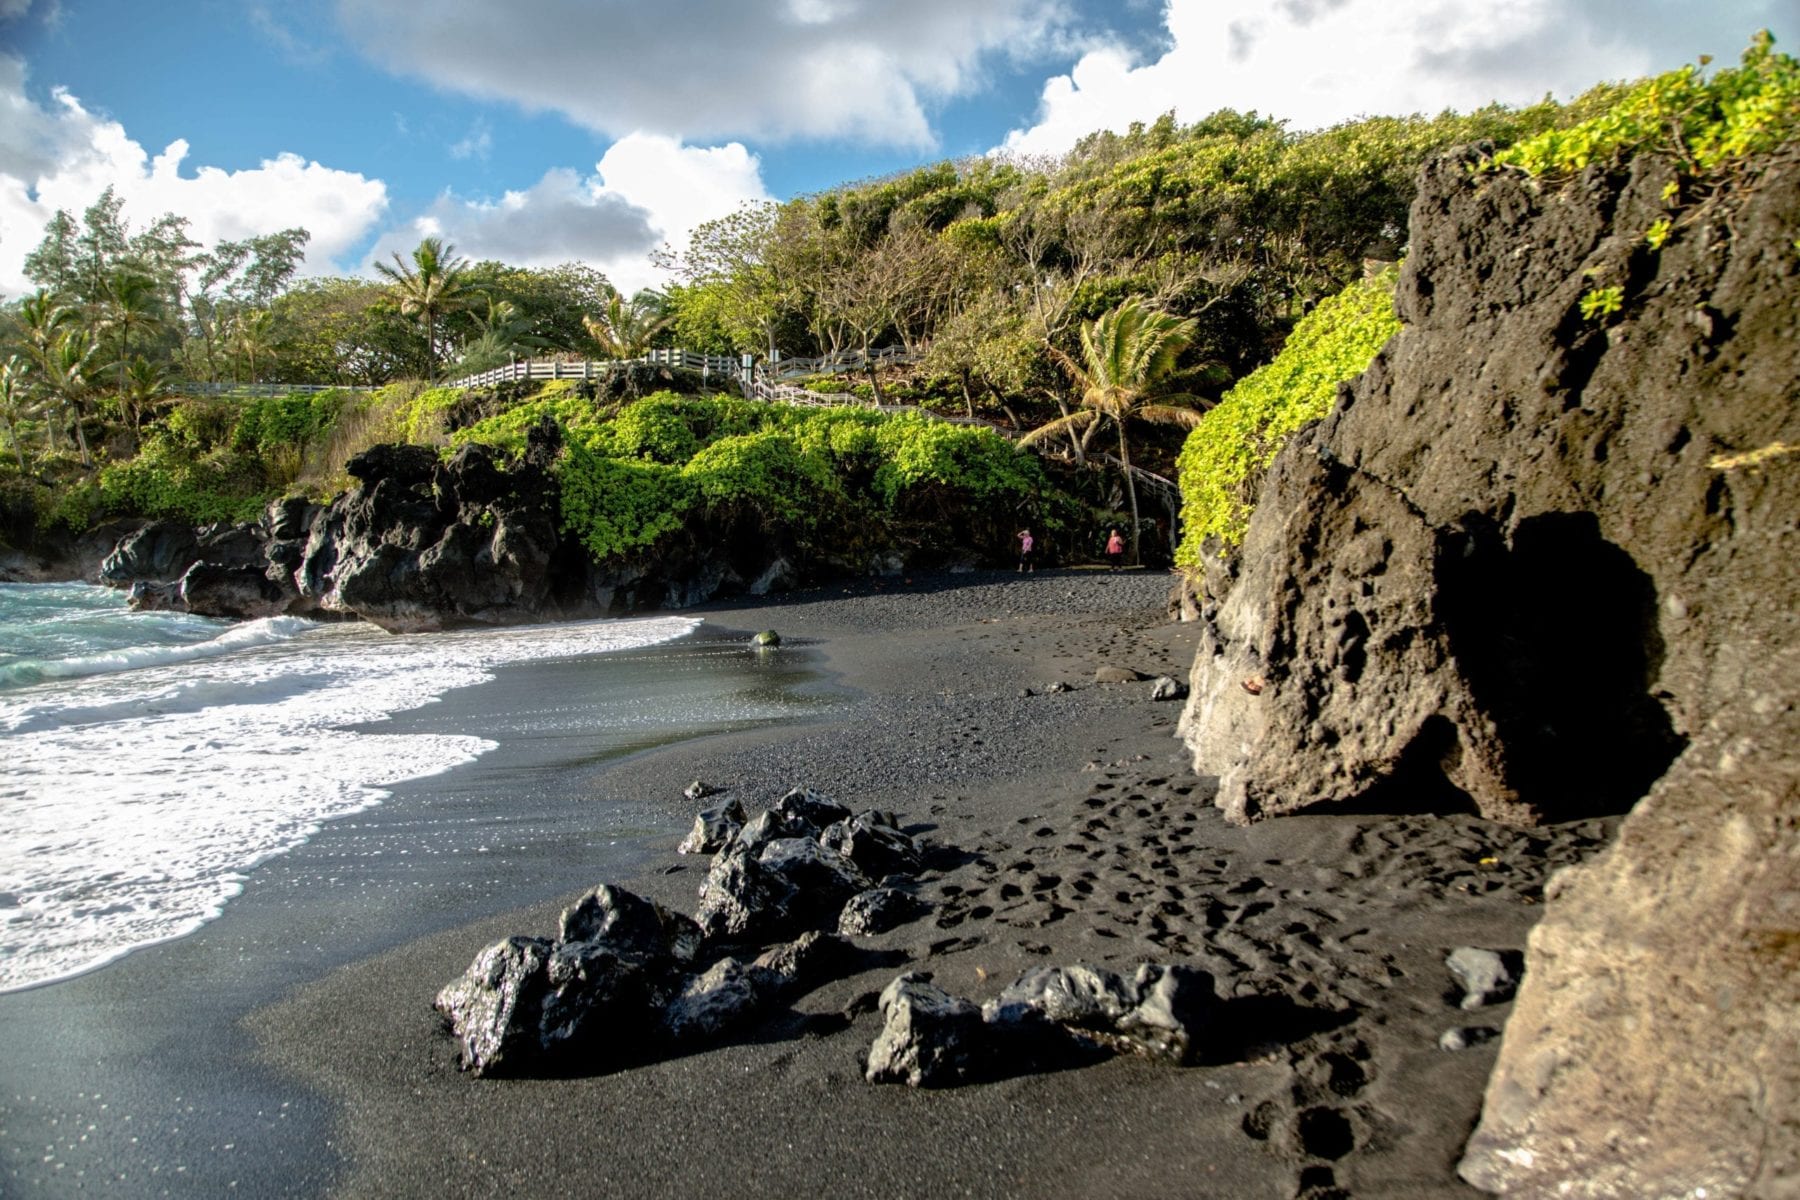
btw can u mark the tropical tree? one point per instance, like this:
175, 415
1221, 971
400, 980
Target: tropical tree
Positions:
52, 265
101, 246
252, 334
131, 303
15, 401
69, 375
42, 319
1125, 353
431, 287
502, 333
144, 383
628, 328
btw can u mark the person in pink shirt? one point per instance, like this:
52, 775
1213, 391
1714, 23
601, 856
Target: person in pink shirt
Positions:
1027, 544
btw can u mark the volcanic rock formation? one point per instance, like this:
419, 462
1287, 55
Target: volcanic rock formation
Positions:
1538, 564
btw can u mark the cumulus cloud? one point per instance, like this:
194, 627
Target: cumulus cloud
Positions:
64, 156
1320, 62
645, 191
700, 69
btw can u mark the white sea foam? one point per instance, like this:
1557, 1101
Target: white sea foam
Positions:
131, 658
133, 801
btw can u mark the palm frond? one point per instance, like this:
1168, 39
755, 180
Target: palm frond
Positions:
1075, 420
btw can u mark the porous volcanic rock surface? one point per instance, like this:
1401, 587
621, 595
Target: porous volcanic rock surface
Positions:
1524, 568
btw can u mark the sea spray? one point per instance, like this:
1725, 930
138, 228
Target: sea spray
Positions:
144, 779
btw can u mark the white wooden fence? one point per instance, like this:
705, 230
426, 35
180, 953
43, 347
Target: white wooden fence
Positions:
779, 367
709, 365
191, 387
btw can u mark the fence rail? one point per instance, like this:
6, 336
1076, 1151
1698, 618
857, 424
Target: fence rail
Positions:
198, 388
1162, 486
535, 368
778, 367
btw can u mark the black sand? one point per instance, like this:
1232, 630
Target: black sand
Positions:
1084, 836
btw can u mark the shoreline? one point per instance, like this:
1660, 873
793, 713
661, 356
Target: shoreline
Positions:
1082, 836
144, 1057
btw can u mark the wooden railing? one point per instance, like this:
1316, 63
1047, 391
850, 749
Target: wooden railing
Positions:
708, 365
194, 387
779, 367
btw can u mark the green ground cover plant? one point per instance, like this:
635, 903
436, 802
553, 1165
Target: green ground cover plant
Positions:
829, 477
1224, 458
1705, 123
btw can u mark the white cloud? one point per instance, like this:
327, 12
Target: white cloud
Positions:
1319, 62
646, 190
474, 144
12, 10
864, 69
64, 157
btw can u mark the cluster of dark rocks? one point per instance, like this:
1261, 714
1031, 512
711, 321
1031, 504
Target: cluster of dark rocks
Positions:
627, 976
423, 543
628, 980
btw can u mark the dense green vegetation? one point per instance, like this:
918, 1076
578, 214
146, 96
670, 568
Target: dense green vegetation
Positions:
836, 480
1223, 462
1705, 123
1135, 282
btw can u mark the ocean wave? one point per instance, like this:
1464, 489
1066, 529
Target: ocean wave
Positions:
141, 790
237, 638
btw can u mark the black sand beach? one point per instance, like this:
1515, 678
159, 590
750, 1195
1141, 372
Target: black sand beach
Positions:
274, 1056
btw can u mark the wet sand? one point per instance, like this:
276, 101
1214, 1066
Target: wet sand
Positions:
1073, 830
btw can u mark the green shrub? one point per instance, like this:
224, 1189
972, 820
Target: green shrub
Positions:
659, 428
266, 423
425, 417
768, 475
615, 506
74, 506
506, 431
1705, 124
971, 461
167, 479
1223, 460
202, 422
1602, 302
849, 437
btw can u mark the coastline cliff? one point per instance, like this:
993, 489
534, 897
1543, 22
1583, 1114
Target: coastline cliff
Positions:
1540, 563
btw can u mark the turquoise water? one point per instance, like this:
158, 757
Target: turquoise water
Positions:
152, 760
64, 630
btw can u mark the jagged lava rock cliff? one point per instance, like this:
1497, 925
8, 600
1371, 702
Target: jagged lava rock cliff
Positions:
1540, 565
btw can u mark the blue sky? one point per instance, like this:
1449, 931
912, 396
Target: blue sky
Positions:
545, 131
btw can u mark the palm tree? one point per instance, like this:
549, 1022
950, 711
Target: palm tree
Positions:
429, 289
42, 316
626, 329
44, 319
131, 303
70, 378
504, 332
249, 335
1124, 354
15, 401
145, 381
